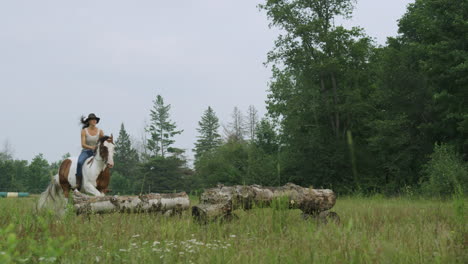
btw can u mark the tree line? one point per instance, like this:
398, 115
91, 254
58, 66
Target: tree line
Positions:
342, 113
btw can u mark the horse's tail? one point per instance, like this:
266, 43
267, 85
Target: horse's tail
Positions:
53, 195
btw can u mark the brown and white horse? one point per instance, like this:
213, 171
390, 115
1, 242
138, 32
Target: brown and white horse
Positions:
96, 174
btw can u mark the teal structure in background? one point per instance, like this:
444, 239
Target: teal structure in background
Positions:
13, 194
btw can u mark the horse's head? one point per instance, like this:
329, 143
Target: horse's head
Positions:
106, 150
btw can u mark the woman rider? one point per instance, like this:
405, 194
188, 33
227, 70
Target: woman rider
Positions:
90, 135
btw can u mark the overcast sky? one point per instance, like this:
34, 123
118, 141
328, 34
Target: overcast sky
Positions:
63, 59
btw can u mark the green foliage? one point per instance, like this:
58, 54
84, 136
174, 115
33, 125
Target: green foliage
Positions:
320, 89
14, 175
41, 247
240, 162
163, 175
435, 33
266, 137
8, 247
445, 173
208, 138
162, 130
227, 164
122, 185
38, 174
54, 166
264, 167
459, 205
280, 219
396, 100
125, 172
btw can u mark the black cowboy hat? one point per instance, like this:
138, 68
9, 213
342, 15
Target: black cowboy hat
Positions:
93, 116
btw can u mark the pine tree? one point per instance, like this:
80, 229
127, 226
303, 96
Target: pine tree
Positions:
209, 137
162, 130
126, 157
126, 163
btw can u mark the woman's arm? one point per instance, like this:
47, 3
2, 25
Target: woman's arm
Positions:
83, 141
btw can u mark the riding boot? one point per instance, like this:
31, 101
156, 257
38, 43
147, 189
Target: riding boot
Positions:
79, 181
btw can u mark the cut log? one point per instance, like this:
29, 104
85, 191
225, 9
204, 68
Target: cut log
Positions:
206, 212
222, 200
168, 203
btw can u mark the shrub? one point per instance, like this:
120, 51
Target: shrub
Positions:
445, 172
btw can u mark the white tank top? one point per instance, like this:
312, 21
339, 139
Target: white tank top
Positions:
92, 140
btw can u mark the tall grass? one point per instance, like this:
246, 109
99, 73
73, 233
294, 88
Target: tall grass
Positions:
372, 230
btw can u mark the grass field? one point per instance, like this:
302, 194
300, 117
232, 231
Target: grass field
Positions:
372, 230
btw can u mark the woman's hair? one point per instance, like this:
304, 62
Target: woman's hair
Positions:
83, 122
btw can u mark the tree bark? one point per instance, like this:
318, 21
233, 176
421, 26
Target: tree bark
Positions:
169, 204
221, 201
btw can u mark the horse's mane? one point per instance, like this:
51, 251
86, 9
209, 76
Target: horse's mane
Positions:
103, 139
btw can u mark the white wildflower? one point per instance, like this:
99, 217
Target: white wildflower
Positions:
123, 250
232, 235
156, 243
136, 235
51, 259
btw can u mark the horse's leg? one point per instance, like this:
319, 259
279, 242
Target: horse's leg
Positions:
89, 188
102, 181
63, 176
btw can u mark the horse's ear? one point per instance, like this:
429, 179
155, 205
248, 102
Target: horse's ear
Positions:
112, 138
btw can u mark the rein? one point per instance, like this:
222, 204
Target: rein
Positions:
95, 157
97, 151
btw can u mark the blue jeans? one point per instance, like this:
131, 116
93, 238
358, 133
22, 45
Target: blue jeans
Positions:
85, 154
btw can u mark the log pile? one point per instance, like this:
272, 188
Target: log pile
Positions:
168, 204
219, 202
